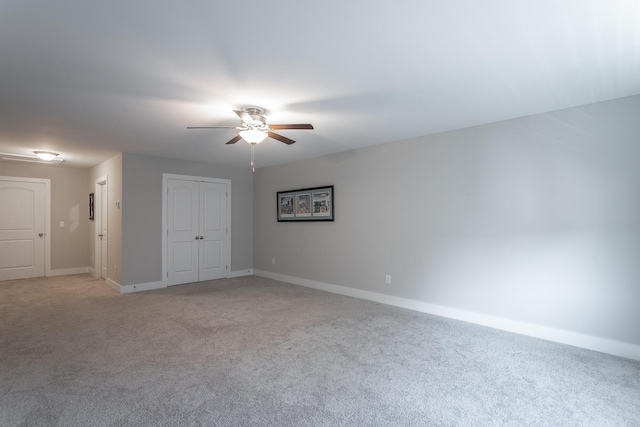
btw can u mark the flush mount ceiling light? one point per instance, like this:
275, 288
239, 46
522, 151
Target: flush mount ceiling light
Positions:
47, 156
29, 158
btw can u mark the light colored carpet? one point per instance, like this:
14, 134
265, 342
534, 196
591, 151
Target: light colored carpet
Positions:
253, 351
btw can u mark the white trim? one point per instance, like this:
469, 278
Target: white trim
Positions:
240, 273
47, 216
127, 289
91, 271
617, 348
165, 178
69, 271
47, 227
97, 214
113, 285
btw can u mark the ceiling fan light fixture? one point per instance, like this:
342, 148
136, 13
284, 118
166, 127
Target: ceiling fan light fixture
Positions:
253, 136
46, 155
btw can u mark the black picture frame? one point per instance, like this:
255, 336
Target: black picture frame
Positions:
306, 204
91, 215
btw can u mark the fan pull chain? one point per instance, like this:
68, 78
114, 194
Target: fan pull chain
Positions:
253, 169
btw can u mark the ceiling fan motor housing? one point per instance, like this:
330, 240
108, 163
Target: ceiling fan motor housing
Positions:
259, 121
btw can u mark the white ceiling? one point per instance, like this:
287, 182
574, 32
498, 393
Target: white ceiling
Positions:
90, 78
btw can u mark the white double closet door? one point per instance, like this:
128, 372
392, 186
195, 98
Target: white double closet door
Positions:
197, 231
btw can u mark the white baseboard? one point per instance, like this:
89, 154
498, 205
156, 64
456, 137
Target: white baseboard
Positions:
241, 273
92, 271
68, 271
127, 289
113, 285
603, 345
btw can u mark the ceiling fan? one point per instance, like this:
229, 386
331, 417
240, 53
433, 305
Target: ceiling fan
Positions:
254, 128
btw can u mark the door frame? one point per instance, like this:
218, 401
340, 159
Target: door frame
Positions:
97, 215
47, 216
165, 217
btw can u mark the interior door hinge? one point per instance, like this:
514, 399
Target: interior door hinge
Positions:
226, 267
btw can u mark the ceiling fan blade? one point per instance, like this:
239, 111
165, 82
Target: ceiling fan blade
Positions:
280, 138
212, 127
234, 139
244, 116
294, 126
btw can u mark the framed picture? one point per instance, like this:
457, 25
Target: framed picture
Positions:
306, 204
91, 206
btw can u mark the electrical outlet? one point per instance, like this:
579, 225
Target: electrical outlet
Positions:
273, 261
387, 279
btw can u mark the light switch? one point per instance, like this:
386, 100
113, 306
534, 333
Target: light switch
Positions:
61, 223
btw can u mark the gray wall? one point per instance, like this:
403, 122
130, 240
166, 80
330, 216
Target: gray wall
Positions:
142, 213
69, 203
534, 219
112, 168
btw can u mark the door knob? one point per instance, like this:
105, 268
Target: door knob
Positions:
201, 237
100, 235
197, 238
40, 234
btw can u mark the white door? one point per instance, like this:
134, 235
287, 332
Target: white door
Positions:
213, 231
103, 232
197, 231
22, 228
183, 233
